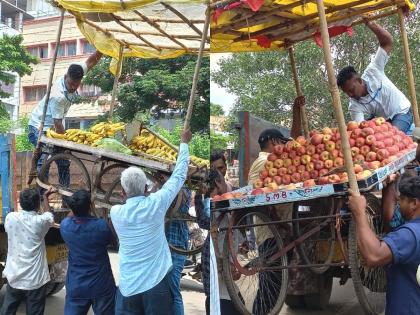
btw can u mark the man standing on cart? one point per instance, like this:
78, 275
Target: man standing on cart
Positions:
63, 94
373, 94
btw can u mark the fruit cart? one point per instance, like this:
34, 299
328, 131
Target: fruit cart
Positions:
320, 226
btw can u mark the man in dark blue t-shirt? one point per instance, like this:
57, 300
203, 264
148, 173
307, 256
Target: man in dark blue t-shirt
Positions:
398, 250
89, 277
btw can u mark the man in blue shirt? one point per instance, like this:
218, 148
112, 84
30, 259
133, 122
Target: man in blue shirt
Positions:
145, 258
63, 94
89, 282
178, 235
399, 250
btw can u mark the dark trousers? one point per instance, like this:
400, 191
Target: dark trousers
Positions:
104, 305
226, 307
35, 300
157, 301
269, 285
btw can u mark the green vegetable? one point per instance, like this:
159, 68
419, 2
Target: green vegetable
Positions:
113, 145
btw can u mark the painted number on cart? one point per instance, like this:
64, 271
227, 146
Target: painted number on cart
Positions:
275, 196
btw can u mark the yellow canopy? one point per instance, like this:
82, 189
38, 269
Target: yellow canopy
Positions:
145, 28
275, 24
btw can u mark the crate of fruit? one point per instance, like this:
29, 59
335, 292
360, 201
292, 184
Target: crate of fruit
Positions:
313, 168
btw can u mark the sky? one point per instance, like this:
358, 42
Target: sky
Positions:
219, 95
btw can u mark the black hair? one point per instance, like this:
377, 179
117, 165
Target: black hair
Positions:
410, 187
270, 134
344, 75
217, 156
75, 72
30, 199
214, 176
79, 203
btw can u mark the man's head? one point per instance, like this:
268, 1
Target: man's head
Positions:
218, 162
409, 189
79, 203
351, 83
269, 138
73, 77
30, 199
217, 183
133, 181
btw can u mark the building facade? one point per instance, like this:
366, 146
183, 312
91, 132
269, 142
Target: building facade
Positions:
13, 13
39, 38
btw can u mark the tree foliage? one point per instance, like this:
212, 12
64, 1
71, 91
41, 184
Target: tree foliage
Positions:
216, 110
264, 85
145, 83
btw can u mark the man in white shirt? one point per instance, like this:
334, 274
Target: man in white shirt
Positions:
145, 258
373, 94
26, 267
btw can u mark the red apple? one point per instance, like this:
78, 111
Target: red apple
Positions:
338, 162
326, 138
318, 165
296, 161
379, 121
338, 145
379, 136
305, 159
291, 169
323, 172
329, 146
352, 142
367, 132
259, 184
286, 179
295, 178
325, 156
328, 164
315, 157
352, 125
278, 163
320, 148
317, 139
374, 165
388, 142
378, 145
305, 176
327, 131
287, 163
359, 158
284, 155
323, 180
278, 149
292, 154
360, 142
272, 157
364, 124
310, 166
392, 150
301, 168
301, 151
309, 183
334, 178
356, 133
301, 140
263, 174
358, 168
334, 154
269, 164
354, 151
314, 174
257, 191
370, 139
272, 172
382, 154
277, 179
282, 171
288, 147
364, 150
267, 181
371, 156
273, 186
310, 149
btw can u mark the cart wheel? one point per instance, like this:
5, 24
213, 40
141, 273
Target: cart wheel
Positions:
310, 249
320, 300
369, 283
54, 287
101, 185
295, 302
255, 286
80, 179
197, 236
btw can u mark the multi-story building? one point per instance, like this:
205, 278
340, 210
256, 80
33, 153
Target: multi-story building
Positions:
13, 13
39, 38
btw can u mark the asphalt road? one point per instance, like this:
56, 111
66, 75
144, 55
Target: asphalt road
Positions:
192, 293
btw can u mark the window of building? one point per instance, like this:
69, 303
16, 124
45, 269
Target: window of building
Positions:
87, 48
39, 51
66, 49
7, 88
34, 93
90, 90
72, 124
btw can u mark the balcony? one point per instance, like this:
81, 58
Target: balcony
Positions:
12, 15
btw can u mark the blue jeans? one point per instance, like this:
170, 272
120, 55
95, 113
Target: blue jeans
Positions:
178, 262
62, 165
404, 122
156, 301
104, 305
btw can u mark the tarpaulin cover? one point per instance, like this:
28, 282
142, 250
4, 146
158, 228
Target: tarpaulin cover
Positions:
146, 28
237, 26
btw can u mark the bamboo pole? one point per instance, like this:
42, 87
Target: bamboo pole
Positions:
37, 151
197, 70
410, 76
117, 77
303, 116
339, 116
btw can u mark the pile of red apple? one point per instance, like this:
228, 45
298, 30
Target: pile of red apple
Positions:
373, 143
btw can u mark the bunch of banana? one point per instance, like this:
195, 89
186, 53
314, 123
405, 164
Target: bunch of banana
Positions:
82, 136
148, 143
107, 129
52, 134
200, 162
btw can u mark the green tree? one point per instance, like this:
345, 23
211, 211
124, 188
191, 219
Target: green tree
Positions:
264, 85
216, 110
145, 83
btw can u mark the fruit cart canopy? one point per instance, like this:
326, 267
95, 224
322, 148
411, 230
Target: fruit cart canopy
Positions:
261, 25
145, 28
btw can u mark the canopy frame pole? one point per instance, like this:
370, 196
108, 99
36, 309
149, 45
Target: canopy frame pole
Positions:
197, 70
338, 110
408, 65
303, 116
116, 79
37, 150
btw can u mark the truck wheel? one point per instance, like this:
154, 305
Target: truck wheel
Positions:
320, 300
54, 287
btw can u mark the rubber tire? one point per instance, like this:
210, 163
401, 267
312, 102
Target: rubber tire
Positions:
373, 202
64, 156
227, 276
54, 287
320, 300
301, 247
